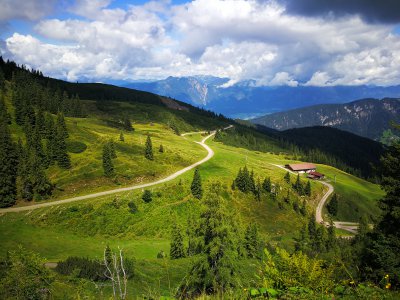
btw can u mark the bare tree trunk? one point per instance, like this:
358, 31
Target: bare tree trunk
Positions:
114, 272
109, 274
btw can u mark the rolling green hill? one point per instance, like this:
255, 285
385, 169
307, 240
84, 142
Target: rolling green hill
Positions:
143, 229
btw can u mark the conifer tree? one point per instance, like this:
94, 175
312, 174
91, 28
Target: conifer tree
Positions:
121, 137
287, 177
2, 80
333, 205
8, 167
252, 241
258, 190
216, 269
303, 208
307, 190
252, 182
267, 185
149, 149
177, 248
331, 240
4, 115
297, 186
61, 154
40, 123
127, 124
191, 232
42, 186
161, 149
111, 146
61, 126
108, 165
51, 141
24, 169
380, 255
196, 187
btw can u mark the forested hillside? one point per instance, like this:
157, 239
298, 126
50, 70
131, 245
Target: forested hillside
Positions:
54, 143
222, 230
371, 118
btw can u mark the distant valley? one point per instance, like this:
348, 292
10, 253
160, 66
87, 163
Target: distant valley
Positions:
368, 117
246, 100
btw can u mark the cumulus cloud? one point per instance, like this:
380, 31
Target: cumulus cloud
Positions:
25, 9
238, 39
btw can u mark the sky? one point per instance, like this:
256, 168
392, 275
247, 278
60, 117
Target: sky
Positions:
270, 42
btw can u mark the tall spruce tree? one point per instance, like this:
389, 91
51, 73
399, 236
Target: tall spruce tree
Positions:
8, 167
196, 186
24, 169
380, 256
252, 241
108, 166
61, 125
111, 146
298, 186
42, 186
4, 115
307, 190
267, 185
333, 205
61, 154
40, 123
258, 190
149, 149
215, 271
127, 124
287, 177
177, 249
50, 136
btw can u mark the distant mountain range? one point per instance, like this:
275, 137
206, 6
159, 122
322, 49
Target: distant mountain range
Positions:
245, 99
367, 117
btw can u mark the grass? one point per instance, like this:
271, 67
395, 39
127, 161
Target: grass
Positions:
357, 197
84, 228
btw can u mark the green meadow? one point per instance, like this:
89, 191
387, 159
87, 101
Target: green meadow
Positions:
84, 228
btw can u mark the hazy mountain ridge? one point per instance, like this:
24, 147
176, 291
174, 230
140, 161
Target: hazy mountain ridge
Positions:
245, 99
366, 117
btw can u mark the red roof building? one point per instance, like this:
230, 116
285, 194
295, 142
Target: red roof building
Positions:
315, 175
302, 168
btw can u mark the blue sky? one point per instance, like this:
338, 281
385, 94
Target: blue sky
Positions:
272, 42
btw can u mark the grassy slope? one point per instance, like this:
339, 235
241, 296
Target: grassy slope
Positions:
84, 228
86, 174
357, 197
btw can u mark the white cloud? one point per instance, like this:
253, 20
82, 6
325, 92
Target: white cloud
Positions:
25, 9
238, 39
319, 79
283, 78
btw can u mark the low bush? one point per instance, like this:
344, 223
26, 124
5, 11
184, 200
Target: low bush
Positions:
76, 147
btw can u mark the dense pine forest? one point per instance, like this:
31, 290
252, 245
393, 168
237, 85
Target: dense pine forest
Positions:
237, 227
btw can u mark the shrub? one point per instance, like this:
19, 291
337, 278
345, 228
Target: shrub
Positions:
83, 267
147, 197
132, 207
76, 147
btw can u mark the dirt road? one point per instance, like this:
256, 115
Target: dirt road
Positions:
210, 154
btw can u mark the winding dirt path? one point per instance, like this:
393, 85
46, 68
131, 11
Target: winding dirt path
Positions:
210, 154
348, 226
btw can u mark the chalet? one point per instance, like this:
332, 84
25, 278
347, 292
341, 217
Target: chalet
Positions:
315, 175
302, 168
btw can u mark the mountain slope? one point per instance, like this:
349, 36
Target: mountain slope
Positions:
367, 117
245, 99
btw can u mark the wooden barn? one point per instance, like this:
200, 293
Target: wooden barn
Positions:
315, 175
302, 168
